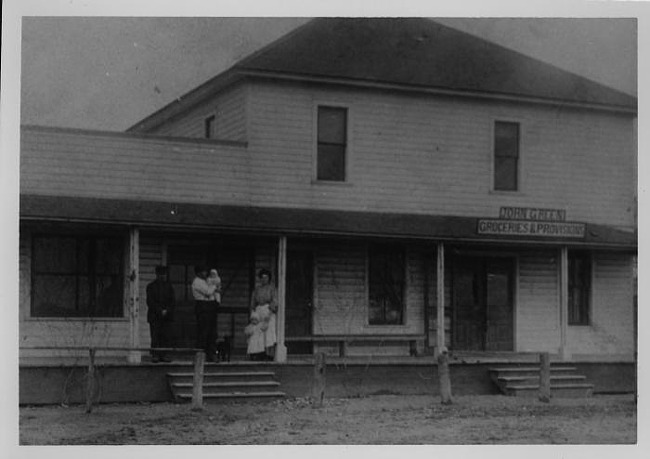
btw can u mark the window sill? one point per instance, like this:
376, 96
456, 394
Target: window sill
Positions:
507, 193
331, 183
386, 327
76, 319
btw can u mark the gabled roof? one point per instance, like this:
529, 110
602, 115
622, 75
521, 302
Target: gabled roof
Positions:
409, 53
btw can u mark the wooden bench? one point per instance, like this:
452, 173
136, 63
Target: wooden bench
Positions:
344, 340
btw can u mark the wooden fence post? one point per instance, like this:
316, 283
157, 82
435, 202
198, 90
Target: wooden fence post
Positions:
544, 377
90, 383
197, 386
443, 377
319, 379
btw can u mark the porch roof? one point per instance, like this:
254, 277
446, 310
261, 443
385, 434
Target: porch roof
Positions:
293, 221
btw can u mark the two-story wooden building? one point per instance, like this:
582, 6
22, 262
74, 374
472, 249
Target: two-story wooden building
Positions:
400, 178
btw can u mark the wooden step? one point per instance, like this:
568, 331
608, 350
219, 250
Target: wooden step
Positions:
237, 396
531, 369
535, 378
557, 390
524, 381
223, 387
223, 376
499, 375
222, 384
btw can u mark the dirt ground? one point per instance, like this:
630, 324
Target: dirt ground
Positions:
389, 419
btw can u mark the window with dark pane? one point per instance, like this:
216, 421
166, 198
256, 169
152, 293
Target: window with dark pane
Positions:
332, 143
386, 278
77, 276
506, 156
209, 127
579, 287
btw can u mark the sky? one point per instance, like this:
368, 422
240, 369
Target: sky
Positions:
107, 73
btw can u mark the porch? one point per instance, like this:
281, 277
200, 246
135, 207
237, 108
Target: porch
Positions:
62, 380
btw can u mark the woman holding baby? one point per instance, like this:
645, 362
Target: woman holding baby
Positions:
261, 328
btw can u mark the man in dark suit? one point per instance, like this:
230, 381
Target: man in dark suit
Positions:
160, 313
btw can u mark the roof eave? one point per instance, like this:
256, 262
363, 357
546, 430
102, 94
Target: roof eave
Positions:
236, 74
264, 74
292, 221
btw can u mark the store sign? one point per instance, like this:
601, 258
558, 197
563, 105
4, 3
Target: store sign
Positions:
530, 221
532, 213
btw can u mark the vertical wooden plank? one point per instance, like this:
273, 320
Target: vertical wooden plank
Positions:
320, 367
564, 301
197, 380
440, 299
134, 301
90, 383
544, 377
281, 349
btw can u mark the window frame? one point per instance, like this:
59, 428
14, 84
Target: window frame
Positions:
346, 155
83, 312
493, 155
584, 313
404, 286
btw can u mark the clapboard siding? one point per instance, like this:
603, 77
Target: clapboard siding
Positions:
151, 255
61, 332
229, 110
537, 312
341, 303
434, 155
415, 290
612, 321
115, 166
424, 154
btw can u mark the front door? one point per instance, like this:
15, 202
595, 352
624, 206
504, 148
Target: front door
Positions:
483, 303
300, 273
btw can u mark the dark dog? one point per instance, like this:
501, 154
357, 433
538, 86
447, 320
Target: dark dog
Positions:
224, 347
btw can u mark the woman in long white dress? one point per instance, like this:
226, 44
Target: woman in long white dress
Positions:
264, 306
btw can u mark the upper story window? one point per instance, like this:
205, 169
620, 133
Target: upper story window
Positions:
77, 276
209, 126
579, 287
386, 284
332, 143
506, 156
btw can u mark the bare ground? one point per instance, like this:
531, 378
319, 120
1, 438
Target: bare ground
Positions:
386, 419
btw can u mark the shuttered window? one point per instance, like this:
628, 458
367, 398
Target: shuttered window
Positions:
579, 287
506, 156
386, 284
77, 276
332, 143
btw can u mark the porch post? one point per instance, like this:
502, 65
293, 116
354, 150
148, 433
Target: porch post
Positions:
564, 301
440, 298
280, 348
134, 300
